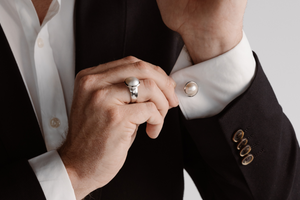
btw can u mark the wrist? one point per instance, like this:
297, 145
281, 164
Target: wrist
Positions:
82, 186
205, 46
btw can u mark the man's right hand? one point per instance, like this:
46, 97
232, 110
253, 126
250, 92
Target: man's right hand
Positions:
103, 123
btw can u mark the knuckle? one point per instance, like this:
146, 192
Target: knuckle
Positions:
151, 106
98, 98
100, 94
159, 69
142, 66
166, 105
149, 84
126, 136
131, 59
80, 75
170, 83
84, 72
113, 114
86, 81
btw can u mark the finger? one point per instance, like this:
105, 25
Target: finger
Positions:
150, 92
106, 66
141, 70
139, 113
118, 63
147, 91
94, 78
112, 64
134, 135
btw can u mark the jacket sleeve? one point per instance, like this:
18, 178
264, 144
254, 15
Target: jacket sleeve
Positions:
18, 181
214, 163
20, 136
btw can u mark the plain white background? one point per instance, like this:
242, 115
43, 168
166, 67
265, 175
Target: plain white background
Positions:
273, 30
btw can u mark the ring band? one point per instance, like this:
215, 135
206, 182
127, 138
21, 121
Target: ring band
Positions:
132, 83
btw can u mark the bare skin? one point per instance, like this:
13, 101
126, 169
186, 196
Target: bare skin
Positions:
99, 138
103, 124
208, 27
41, 7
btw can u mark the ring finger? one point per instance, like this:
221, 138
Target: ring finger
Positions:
147, 91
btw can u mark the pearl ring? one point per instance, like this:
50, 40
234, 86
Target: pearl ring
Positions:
132, 83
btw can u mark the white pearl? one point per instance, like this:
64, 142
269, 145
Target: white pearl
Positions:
132, 82
191, 88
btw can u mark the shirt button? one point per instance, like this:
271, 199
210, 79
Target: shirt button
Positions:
55, 122
191, 88
40, 43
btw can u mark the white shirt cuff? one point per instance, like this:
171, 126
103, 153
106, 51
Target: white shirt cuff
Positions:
53, 176
220, 80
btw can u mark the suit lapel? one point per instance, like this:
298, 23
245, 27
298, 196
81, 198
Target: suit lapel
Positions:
19, 129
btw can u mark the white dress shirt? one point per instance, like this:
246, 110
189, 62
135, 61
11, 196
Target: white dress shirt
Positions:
46, 60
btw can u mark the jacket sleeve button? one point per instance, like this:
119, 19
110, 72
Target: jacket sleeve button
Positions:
248, 159
245, 151
242, 144
238, 135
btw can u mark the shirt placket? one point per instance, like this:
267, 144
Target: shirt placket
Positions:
52, 102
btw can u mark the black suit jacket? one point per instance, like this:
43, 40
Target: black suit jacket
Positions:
110, 30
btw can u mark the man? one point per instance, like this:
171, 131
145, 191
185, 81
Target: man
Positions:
102, 123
